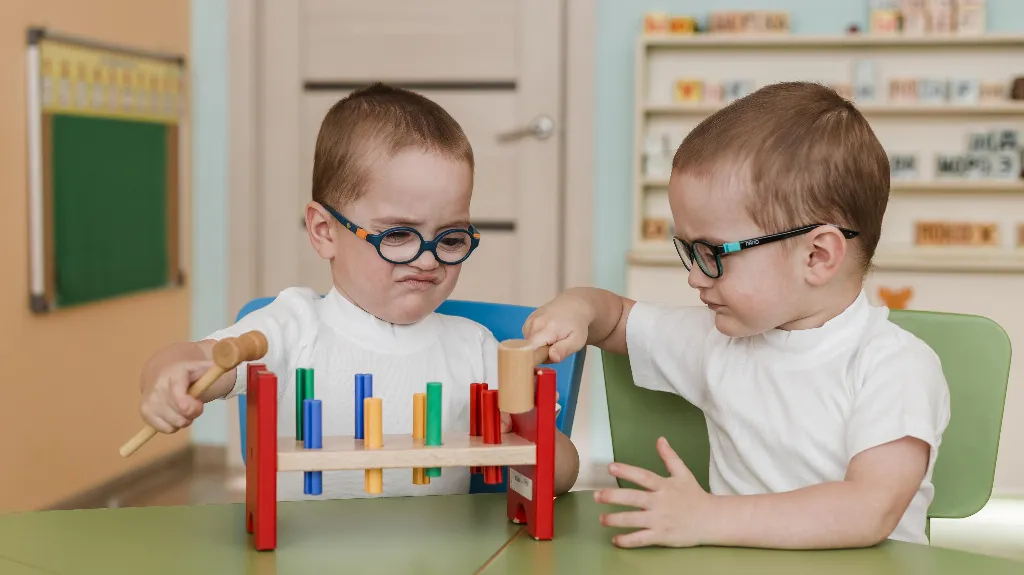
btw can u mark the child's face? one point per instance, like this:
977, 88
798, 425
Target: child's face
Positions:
415, 188
759, 289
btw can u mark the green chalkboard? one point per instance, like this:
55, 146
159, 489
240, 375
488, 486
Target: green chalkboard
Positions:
110, 202
104, 188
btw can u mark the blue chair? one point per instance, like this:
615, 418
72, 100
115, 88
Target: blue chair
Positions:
505, 322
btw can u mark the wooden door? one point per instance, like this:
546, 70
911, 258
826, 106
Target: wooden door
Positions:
495, 65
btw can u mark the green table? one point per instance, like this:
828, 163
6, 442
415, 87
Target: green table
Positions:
422, 535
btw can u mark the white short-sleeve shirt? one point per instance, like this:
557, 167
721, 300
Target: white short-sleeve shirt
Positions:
338, 340
789, 409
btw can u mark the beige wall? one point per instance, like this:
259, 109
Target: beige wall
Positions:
69, 380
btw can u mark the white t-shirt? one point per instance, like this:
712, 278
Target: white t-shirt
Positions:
338, 340
789, 409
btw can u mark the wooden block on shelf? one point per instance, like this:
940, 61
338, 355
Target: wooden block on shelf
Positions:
1020, 235
404, 451
903, 90
932, 91
992, 92
656, 23
689, 91
656, 229
913, 15
682, 25
940, 16
964, 91
713, 92
970, 17
884, 21
903, 167
956, 234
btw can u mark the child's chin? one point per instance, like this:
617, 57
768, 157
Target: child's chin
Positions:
729, 326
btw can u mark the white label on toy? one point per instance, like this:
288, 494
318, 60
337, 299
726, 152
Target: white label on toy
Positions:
520, 483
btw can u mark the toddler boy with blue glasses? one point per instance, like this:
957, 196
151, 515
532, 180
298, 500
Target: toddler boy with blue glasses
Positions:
391, 169
824, 418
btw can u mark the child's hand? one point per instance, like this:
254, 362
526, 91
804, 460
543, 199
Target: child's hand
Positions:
563, 324
166, 404
672, 511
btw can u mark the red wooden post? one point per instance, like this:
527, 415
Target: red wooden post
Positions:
531, 488
251, 421
266, 484
261, 458
491, 420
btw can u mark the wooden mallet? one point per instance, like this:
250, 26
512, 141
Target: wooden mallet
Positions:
227, 354
517, 359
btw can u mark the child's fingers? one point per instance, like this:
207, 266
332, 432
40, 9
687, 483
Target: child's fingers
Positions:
623, 496
626, 519
642, 538
642, 477
673, 463
197, 368
506, 422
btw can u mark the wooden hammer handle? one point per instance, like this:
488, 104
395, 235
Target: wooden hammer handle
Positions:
228, 353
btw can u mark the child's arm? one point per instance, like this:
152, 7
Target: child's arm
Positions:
580, 317
567, 463
165, 403
859, 511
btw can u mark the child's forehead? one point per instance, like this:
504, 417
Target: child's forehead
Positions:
711, 206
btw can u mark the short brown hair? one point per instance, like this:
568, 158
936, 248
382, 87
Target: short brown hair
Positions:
808, 155
373, 120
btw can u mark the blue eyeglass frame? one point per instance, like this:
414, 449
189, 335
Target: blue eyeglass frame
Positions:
425, 245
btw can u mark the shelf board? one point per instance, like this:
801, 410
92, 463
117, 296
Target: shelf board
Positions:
969, 186
981, 109
924, 259
780, 40
916, 186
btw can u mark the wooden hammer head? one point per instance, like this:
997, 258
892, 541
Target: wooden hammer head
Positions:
231, 351
517, 360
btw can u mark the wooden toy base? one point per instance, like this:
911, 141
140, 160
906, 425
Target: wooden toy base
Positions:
529, 453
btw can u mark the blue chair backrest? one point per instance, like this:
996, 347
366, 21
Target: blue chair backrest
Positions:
505, 322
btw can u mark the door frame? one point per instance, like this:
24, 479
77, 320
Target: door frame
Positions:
247, 93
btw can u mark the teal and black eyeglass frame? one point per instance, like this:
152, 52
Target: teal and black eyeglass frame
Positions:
403, 244
709, 256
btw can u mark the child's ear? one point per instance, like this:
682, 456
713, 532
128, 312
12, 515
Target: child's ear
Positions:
319, 228
826, 255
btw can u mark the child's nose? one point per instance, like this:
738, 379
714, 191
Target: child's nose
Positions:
697, 278
426, 261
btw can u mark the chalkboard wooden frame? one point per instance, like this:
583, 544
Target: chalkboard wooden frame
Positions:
126, 85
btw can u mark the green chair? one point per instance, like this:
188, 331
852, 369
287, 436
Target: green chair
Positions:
975, 355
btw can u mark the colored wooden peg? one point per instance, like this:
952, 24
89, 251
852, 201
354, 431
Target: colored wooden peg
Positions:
419, 432
492, 431
475, 414
374, 478
433, 422
303, 391
363, 389
312, 439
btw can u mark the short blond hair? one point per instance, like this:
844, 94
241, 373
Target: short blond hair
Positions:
808, 155
378, 119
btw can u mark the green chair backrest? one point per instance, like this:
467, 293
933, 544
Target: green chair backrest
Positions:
975, 355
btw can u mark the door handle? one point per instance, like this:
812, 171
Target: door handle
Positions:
541, 128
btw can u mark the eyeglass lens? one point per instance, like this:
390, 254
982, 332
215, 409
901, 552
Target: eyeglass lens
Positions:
403, 246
